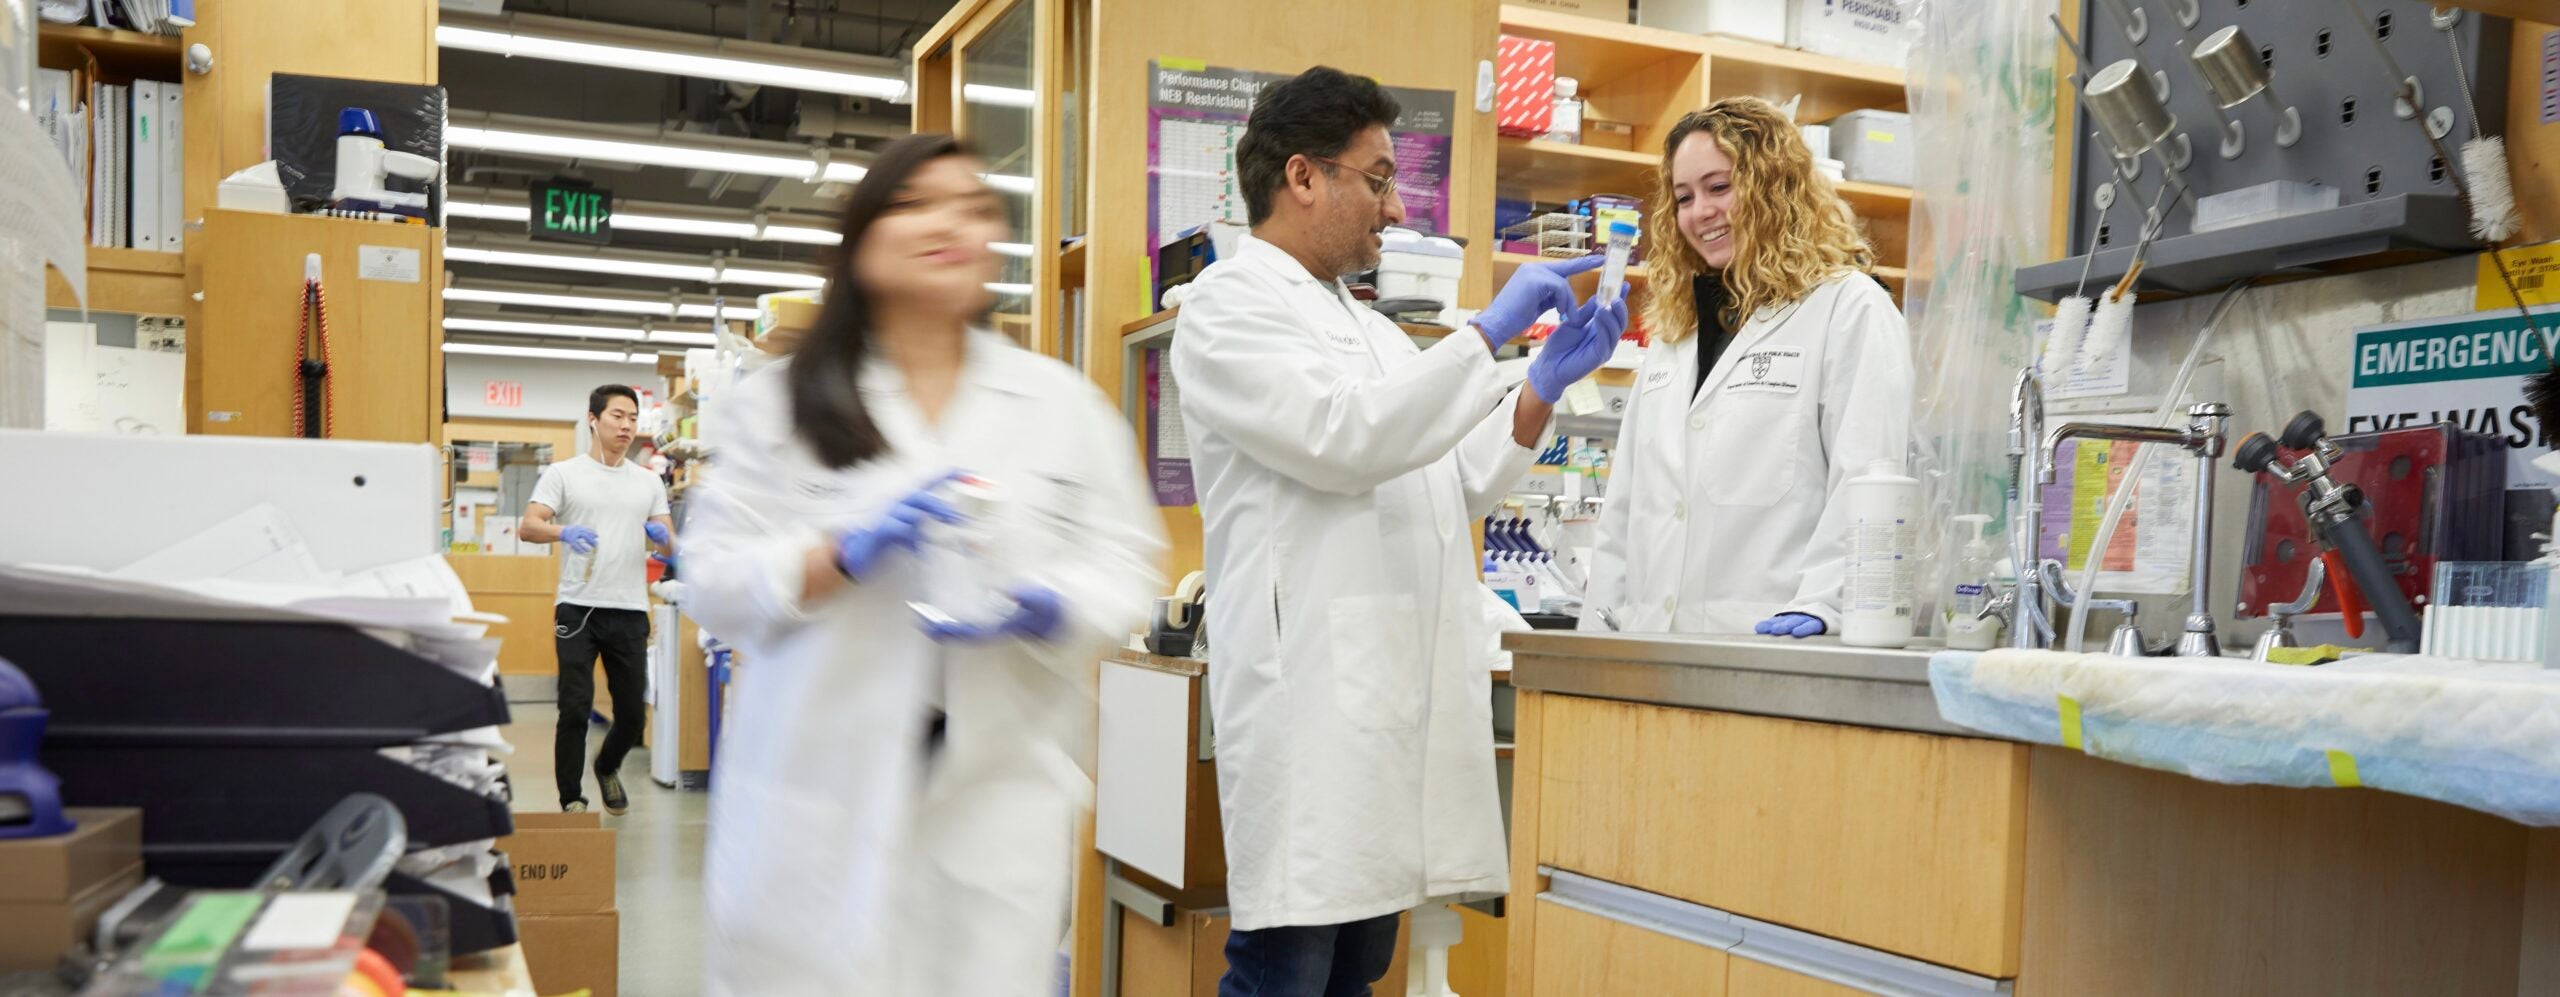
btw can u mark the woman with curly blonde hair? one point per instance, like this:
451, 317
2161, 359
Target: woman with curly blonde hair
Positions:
1779, 369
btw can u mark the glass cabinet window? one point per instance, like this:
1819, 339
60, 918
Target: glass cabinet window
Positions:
996, 97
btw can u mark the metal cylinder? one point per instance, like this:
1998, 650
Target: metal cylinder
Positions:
2228, 61
2120, 97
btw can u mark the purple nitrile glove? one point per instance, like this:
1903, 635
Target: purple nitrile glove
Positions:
657, 531
1038, 614
1585, 340
579, 538
863, 548
1797, 625
1533, 290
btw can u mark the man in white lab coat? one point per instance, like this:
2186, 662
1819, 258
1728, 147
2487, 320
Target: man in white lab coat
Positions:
1340, 469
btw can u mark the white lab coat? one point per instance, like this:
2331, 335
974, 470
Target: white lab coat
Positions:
843, 860
1340, 469
1724, 508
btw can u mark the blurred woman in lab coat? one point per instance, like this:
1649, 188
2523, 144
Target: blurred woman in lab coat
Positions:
1778, 369
897, 803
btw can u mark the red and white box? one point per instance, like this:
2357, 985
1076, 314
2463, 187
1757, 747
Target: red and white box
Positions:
1524, 90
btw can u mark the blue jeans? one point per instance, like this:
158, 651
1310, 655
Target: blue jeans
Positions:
1330, 960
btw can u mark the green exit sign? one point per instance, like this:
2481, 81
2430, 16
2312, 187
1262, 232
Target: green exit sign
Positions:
571, 212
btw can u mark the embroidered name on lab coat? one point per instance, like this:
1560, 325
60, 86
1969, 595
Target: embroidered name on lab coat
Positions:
1655, 378
1772, 371
1347, 342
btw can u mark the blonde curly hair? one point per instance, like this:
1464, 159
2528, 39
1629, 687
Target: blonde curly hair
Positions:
1791, 230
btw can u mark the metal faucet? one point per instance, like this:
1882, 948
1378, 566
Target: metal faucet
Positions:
2202, 437
2029, 627
2280, 634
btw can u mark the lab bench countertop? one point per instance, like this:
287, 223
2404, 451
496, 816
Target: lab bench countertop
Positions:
1817, 679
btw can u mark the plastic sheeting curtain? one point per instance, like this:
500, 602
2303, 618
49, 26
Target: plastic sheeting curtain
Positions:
39, 222
1982, 91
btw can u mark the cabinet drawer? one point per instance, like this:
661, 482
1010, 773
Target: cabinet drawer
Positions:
1745, 978
1592, 956
1909, 843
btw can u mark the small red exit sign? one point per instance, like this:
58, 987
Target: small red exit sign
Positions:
506, 394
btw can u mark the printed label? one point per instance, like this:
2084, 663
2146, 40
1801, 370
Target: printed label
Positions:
387, 263
1772, 371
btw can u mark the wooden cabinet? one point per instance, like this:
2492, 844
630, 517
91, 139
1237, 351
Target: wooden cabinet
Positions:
1586, 954
2144, 883
386, 360
1913, 844
1745, 978
522, 589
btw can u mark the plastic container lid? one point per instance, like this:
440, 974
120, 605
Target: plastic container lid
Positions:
1622, 228
1567, 86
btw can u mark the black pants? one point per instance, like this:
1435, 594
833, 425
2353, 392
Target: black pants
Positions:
1330, 960
622, 637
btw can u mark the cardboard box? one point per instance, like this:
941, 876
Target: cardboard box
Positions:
1755, 20
107, 842
562, 863
35, 933
1869, 31
1607, 10
1524, 89
571, 952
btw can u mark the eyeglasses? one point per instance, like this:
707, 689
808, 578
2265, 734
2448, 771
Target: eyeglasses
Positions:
1379, 185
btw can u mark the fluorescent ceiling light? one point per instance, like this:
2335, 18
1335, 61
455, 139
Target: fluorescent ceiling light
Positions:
684, 338
1020, 289
984, 93
459, 324
689, 157
550, 353
774, 278
591, 303
587, 263
458, 208
532, 39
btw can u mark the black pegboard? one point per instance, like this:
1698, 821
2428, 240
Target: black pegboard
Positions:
2325, 67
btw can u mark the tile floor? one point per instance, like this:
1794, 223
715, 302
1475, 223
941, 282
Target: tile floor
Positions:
657, 855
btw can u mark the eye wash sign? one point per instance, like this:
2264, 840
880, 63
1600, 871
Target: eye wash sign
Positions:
2468, 370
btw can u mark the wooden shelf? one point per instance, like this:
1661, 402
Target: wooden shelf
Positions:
1504, 264
136, 260
1598, 52
1892, 275
1555, 171
1071, 267
1874, 199
1831, 85
126, 281
119, 53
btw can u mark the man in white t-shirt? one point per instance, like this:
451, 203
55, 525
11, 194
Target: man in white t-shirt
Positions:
609, 512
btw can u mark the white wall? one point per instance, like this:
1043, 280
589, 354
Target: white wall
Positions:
554, 390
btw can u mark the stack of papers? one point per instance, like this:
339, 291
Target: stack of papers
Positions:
257, 567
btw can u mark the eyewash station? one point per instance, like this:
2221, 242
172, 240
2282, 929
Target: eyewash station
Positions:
2232, 663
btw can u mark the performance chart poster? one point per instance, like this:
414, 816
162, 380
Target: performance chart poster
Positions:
1196, 114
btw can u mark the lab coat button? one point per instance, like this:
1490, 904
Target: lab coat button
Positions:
1697, 422
1680, 510
1669, 604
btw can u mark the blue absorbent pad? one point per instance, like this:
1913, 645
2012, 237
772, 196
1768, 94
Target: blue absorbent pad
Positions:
2475, 734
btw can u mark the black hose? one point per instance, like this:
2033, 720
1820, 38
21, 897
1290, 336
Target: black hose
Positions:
2373, 577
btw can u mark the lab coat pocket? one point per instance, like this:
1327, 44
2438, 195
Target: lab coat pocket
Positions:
1378, 670
1749, 455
